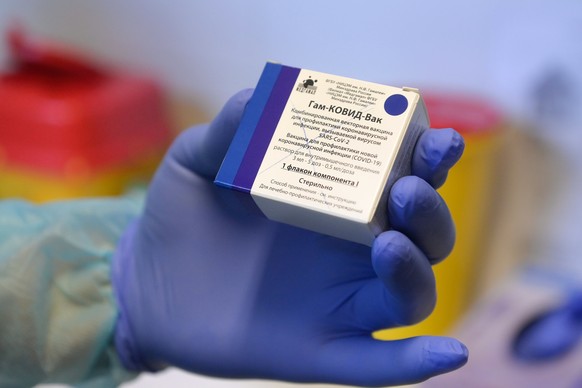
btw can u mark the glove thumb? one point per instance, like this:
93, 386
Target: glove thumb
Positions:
201, 149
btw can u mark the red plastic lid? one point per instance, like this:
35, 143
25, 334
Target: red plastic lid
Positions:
59, 112
468, 115
45, 56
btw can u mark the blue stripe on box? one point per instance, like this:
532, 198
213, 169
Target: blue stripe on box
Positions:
265, 128
244, 134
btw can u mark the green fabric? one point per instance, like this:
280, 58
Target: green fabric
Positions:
56, 300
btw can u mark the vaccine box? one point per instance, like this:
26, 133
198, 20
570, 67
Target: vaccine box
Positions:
321, 151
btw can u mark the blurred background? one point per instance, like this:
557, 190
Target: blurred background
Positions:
91, 94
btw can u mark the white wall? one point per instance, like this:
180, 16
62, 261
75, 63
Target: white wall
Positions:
207, 50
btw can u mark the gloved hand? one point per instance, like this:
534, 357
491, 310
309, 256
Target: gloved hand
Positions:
206, 285
553, 333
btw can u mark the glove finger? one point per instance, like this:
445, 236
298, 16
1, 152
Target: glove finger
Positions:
406, 278
403, 291
201, 149
364, 361
435, 153
418, 211
193, 161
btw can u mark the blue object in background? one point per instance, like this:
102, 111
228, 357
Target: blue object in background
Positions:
552, 334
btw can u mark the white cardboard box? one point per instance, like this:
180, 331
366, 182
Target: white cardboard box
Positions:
321, 151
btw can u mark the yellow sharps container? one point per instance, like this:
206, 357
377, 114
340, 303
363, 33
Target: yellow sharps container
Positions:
469, 194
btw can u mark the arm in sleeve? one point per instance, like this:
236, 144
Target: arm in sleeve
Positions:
57, 306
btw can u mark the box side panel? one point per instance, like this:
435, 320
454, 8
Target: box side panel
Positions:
315, 221
246, 130
260, 140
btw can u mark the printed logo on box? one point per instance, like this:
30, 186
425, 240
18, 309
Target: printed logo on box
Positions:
307, 86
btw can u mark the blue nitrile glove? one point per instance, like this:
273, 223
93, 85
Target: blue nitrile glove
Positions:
211, 287
553, 333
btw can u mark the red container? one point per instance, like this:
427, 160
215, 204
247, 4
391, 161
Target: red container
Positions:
60, 115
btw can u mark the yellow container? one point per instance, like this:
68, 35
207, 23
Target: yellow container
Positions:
76, 181
469, 193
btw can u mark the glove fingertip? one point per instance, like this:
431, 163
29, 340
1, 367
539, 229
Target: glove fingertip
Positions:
388, 244
444, 354
222, 129
371, 362
437, 152
410, 196
418, 211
